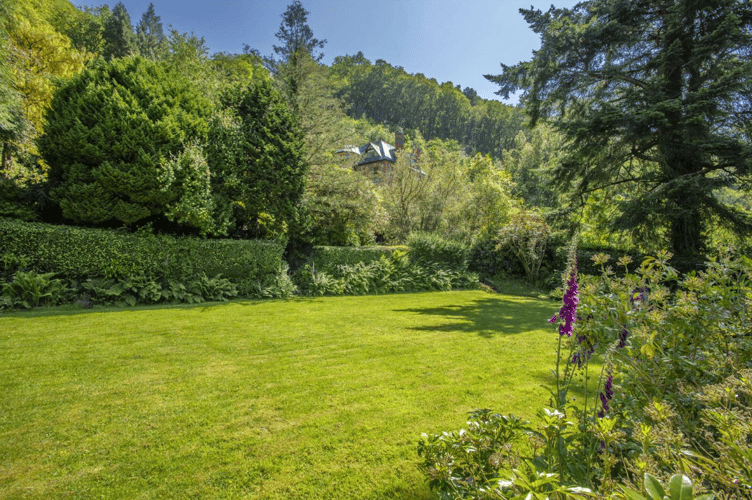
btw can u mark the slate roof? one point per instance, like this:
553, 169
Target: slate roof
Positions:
383, 151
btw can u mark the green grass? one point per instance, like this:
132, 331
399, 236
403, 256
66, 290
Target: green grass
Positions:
306, 398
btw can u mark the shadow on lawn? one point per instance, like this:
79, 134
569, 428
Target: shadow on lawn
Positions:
488, 317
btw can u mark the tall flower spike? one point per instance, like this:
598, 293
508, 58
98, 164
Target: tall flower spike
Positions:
607, 394
568, 311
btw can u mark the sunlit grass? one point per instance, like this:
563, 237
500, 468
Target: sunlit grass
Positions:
307, 398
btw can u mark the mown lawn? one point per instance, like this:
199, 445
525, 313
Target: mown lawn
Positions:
299, 399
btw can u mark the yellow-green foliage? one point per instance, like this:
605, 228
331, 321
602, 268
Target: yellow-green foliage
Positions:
40, 53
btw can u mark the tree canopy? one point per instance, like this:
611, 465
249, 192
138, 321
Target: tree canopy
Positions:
653, 96
390, 95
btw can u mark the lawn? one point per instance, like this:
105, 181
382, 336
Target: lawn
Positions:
294, 399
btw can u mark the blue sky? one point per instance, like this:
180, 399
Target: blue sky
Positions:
449, 40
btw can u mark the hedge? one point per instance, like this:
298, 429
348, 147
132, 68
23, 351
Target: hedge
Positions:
426, 248
80, 253
326, 258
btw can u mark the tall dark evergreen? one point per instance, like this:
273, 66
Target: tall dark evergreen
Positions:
654, 97
295, 34
150, 38
292, 66
120, 41
255, 153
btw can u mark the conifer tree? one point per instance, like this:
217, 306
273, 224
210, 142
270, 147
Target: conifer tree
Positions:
123, 141
120, 41
298, 49
150, 38
255, 152
654, 97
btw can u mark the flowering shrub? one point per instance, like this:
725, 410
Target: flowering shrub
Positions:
674, 392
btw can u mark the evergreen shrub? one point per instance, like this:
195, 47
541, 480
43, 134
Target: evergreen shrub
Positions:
123, 142
80, 253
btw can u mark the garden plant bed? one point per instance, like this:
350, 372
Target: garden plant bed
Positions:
304, 398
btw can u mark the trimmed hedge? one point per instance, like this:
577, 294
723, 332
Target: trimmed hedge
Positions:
80, 253
325, 258
432, 249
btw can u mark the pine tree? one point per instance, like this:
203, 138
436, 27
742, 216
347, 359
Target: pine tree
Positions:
120, 41
297, 51
150, 38
296, 35
654, 97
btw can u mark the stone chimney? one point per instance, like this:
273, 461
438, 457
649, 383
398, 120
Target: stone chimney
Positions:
399, 138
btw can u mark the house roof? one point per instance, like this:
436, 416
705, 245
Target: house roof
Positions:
379, 150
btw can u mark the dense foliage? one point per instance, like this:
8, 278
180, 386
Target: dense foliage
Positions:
46, 265
395, 273
671, 358
434, 187
256, 158
327, 258
654, 99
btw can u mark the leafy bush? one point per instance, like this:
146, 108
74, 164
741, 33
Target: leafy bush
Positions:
278, 286
214, 289
29, 290
526, 235
467, 461
428, 248
679, 488
126, 292
177, 292
141, 290
488, 259
387, 275
316, 284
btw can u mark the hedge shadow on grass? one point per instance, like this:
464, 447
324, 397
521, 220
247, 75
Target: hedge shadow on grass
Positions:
488, 317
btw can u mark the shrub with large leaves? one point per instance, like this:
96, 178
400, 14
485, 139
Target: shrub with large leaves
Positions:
121, 145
